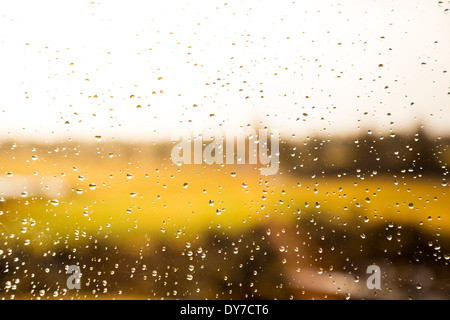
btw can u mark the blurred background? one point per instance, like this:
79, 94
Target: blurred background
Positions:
91, 92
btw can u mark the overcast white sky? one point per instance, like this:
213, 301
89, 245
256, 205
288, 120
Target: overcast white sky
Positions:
318, 64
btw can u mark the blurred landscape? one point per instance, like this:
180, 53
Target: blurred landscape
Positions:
141, 227
93, 91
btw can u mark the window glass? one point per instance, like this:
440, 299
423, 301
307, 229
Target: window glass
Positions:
214, 150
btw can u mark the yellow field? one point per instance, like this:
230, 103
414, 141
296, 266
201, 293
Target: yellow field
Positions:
134, 201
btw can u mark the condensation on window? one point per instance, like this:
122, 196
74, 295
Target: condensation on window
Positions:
282, 150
